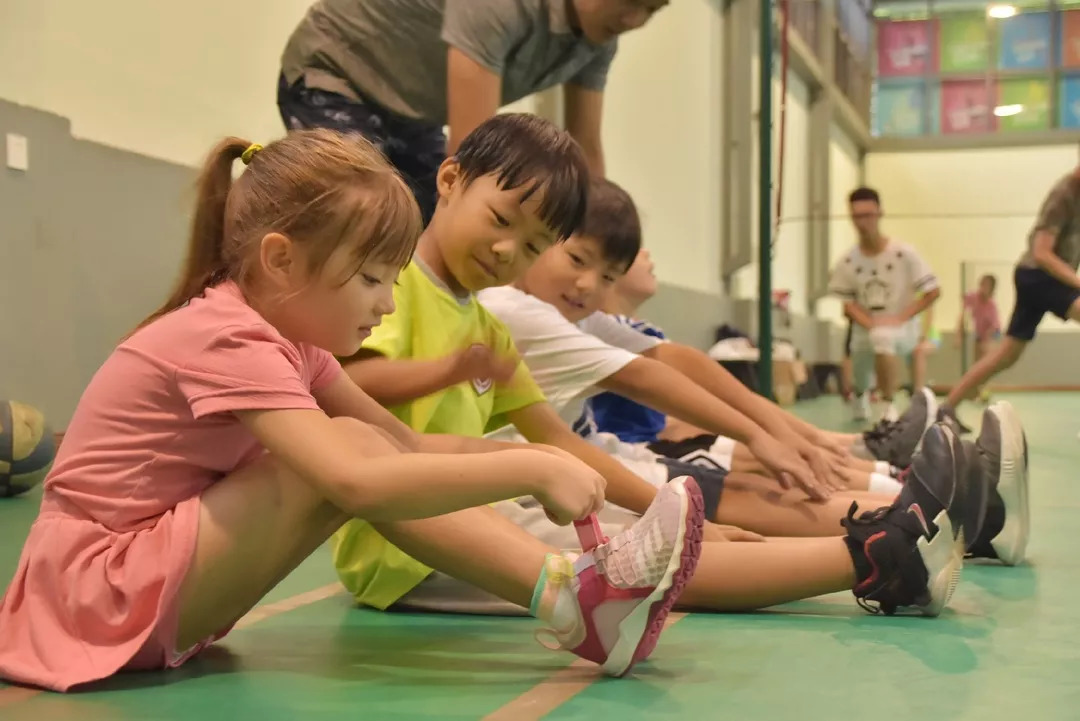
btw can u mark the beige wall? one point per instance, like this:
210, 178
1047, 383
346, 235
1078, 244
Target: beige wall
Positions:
844, 175
662, 138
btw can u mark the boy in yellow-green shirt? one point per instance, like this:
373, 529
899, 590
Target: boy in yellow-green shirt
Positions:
377, 572
442, 363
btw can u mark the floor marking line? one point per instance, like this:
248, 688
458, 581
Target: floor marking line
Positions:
11, 695
556, 689
265, 611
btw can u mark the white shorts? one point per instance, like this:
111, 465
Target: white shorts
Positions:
635, 456
894, 340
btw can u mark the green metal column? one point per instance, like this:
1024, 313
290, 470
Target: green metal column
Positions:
765, 29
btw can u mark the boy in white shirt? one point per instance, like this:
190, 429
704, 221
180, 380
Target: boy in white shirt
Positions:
885, 285
574, 351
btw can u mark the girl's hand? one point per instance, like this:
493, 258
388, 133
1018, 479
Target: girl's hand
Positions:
568, 489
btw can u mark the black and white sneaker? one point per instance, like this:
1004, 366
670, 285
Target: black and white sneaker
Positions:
896, 441
910, 554
1002, 452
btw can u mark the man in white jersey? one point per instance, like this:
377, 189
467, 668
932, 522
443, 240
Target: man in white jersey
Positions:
885, 285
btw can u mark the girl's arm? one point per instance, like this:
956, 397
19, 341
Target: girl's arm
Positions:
418, 485
344, 398
539, 423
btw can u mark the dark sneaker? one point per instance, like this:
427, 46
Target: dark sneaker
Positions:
896, 441
910, 554
976, 489
947, 414
1002, 449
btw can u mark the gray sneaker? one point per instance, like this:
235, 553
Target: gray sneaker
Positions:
898, 441
1003, 454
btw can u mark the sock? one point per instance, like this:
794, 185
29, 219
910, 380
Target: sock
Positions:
880, 483
883, 468
554, 600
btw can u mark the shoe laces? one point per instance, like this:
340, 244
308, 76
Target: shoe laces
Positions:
882, 430
873, 607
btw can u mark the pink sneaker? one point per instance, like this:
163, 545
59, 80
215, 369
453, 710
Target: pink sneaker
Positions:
626, 587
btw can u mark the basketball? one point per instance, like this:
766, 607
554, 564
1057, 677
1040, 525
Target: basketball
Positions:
27, 448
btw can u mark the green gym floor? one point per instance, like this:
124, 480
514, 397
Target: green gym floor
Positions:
1005, 649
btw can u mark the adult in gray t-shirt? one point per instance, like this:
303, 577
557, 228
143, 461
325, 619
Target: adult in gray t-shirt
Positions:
400, 70
1046, 282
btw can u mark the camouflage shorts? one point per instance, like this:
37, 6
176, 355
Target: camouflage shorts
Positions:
416, 148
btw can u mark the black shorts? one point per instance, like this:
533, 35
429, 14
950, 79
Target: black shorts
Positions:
709, 480
693, 450
1038, 293
416, 148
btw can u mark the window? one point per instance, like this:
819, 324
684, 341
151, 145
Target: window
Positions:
963, 67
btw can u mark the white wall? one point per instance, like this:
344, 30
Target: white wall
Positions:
790, 243
162, 79
168, 80
165, 80
662, 138
968, 205
844, 176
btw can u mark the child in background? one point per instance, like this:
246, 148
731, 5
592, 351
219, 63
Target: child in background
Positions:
986, 324
505, 198
220, 444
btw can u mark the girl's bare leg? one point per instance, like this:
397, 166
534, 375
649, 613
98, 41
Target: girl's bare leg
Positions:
489, 552
255, 527
478, 546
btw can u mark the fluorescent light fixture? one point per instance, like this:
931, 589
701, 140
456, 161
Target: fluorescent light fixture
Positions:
1004, 111
1001, 11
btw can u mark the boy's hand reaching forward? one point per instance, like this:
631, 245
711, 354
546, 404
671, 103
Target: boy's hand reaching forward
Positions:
788, 467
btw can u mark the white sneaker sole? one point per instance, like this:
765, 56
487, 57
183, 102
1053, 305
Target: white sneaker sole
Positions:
632, 628
944, 560
1010, 544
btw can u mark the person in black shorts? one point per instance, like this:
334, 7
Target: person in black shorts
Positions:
1046, 282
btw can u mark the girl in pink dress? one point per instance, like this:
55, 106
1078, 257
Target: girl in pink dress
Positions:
221, 444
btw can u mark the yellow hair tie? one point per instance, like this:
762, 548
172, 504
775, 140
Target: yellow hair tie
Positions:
250, 153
